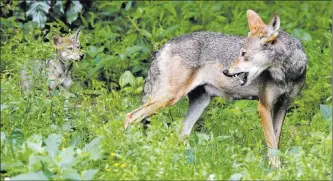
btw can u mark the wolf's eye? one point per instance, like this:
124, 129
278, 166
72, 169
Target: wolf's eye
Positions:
243, 54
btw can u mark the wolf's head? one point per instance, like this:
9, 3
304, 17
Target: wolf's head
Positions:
258, 51
68, 48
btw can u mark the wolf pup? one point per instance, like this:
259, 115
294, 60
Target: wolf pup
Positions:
268, 65
57, 70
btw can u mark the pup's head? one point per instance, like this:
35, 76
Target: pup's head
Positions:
68, 48
257, 53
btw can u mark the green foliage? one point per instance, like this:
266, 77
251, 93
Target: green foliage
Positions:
44, 158
42, 139
38, 10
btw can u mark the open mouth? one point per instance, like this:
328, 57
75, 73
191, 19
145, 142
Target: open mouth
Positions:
242, 77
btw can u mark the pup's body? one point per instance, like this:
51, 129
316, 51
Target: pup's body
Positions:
55, 71
270, 67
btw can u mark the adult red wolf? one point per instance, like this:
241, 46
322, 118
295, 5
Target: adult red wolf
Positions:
268, 65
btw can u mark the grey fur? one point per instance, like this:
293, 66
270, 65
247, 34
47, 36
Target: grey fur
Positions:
200, 48
196, 49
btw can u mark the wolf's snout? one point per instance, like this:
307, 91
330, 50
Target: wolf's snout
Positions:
226, 73
81, 56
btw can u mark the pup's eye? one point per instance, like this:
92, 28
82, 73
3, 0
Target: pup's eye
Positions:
70, 48
243, 54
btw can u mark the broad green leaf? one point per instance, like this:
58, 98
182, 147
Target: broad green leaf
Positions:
71, 175
93, 148
128, 5
33, 160
59, 7
93, 51
326, 111
73, 11
294, 150
236, 176
48, 173
134, 49
40, 18
17, 137
145, 33
202, 138
190, 154
38, 6
67, 157
38, 11
89, 174
31, 176
126, 78
35, 143
52, 144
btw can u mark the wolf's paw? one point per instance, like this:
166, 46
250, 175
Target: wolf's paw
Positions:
127, 120
274, 159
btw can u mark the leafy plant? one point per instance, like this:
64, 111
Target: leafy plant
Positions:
47, 160
39, 10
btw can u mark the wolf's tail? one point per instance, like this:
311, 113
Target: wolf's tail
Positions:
152, 80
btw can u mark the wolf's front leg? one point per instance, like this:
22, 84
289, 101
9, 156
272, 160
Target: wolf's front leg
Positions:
53, 82
267, 124
67, 83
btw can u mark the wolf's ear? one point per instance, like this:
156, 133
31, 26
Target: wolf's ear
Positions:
254, 21
275, 22
273, 28
56, 40
76, 36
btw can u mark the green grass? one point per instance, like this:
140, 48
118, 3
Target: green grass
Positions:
227, 143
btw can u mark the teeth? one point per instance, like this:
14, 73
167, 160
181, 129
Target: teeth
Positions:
236, 75
242, 82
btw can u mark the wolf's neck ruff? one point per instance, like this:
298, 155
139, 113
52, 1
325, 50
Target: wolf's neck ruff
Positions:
291, 60
65, 65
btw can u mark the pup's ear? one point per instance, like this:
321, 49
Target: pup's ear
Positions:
275, 22
56, 40
76, 36
254, 21
272, 28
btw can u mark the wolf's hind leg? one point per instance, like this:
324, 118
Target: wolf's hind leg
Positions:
169, 97
174, 82
150, 108
198, 100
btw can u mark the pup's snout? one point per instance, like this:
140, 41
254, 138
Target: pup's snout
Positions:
226, 73
81, 56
